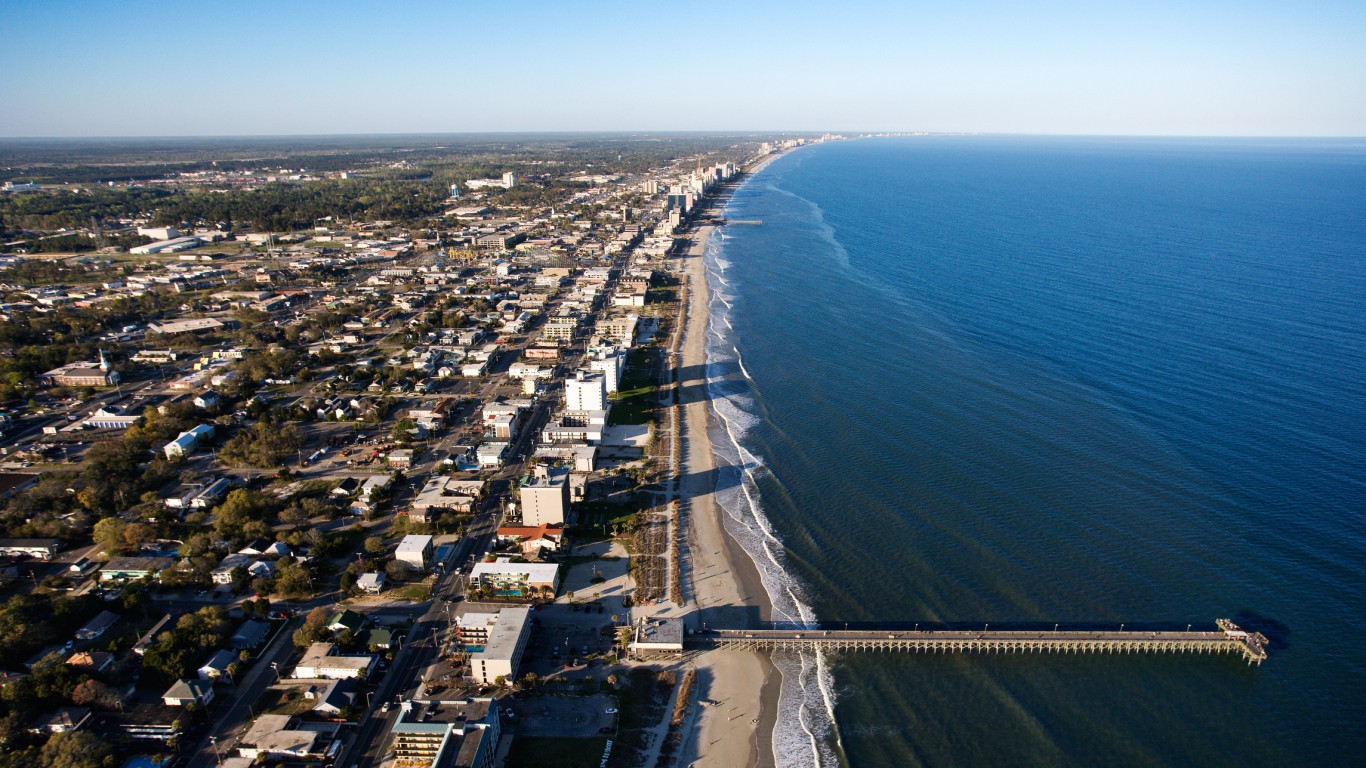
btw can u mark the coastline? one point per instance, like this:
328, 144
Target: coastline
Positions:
738, 690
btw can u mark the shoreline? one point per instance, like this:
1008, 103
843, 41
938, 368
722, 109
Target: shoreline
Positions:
739, 690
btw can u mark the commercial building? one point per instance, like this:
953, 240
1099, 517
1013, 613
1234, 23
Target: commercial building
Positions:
41, 549
131, 568
545, 496
437, 734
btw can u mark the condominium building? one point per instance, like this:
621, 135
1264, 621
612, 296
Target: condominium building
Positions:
434, 734
545, 496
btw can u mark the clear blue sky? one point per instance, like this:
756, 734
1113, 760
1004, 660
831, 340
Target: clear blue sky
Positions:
136, 67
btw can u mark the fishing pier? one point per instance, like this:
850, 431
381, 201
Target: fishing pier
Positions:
1228, 638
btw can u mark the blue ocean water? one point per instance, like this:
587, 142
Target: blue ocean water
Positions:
970, 379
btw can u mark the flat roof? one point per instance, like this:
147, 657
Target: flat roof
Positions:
534, 571
507, 631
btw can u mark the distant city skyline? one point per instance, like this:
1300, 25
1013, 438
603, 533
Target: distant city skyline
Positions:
144, 68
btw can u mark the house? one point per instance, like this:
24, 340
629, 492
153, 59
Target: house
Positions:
415, 551
63, 720
91, 661
249, 636
372, 583
345, 620
346, 487
188, 693
97, 626
217, 665
320, 663
400, 458
148, 640
331, 697
133, 568
267, 548
222, 574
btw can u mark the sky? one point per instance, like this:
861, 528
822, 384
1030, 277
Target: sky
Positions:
187, 68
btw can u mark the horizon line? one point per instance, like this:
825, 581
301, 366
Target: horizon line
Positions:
718, 132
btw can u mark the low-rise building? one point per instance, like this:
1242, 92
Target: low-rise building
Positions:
216, 666
533, 540
186, 442
273, 736
320, 663
188, 692
415, 551
371, 583
133, 568
505, 578
40, 549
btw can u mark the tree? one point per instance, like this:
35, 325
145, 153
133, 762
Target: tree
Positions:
293, 579
374, 545
137, 534
94, 693
396, 571
314, 628
74, 749
108, 533
501, 681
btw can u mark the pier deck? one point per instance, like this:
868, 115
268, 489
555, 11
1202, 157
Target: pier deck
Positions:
1227, 639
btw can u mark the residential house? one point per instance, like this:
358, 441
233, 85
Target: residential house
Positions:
190, 692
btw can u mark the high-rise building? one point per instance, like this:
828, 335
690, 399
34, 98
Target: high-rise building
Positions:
585, 392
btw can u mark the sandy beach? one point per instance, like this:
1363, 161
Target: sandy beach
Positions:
737, 690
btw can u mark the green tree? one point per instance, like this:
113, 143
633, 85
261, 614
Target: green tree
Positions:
314, 629
108, 533
74, 749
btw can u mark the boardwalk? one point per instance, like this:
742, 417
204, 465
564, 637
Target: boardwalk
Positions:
1227, 639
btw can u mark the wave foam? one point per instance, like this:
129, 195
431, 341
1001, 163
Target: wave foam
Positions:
805, 729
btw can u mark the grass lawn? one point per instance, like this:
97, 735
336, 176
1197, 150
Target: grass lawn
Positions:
287, 702
537, 751
634, 400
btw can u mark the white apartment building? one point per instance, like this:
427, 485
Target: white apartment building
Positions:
586, 392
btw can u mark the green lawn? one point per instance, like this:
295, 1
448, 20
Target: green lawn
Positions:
538, 751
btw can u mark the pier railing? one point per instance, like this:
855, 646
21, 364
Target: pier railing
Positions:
1229, 638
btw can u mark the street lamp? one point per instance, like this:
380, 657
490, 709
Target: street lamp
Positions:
217, 755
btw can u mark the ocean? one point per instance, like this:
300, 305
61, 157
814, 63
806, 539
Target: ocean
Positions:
1023, 381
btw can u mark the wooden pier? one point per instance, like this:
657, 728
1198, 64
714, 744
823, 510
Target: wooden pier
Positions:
1228, 638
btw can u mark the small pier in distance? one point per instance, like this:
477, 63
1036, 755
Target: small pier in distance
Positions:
741, 222
1228, 638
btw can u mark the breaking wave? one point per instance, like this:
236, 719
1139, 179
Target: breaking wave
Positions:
805, 728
